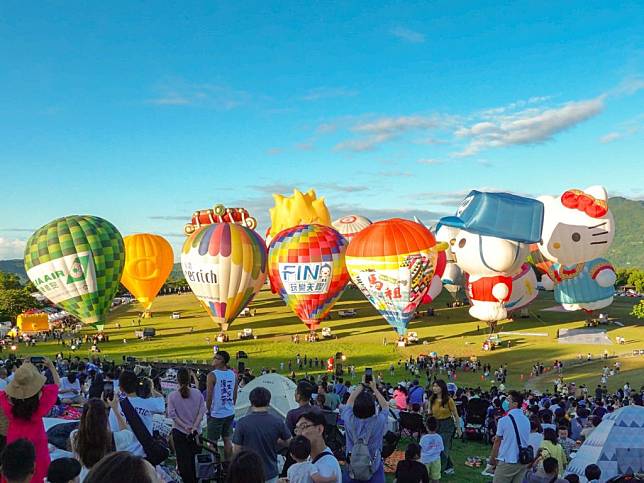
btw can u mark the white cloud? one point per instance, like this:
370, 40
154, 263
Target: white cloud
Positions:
328, 93
610, 137
11, 248
397, 124
213, 96
628, 87
368, 143
429, 161
408, 35
529, 126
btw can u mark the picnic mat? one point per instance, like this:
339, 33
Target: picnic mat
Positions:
392, 461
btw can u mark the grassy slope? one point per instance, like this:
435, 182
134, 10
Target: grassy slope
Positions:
361, 339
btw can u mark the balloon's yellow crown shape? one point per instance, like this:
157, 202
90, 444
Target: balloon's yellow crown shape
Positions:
299, 209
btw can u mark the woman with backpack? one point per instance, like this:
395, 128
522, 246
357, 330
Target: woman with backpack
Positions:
365, 428
443, 408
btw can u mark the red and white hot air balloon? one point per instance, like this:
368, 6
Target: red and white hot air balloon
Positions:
350, 225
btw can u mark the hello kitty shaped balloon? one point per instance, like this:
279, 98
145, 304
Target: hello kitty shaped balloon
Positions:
578, 228
490, 234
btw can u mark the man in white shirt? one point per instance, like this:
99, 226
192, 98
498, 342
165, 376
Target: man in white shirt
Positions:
145, 407
311, 426
221, 396
505, 451
69, 390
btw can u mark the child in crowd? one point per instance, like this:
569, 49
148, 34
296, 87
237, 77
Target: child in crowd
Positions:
303, 471
410, 470
593, 473
64, 470
18, 461
431, 445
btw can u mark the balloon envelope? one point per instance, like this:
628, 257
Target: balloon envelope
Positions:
225, 266
524, 289
306, 264
393, 262
76, 262
349, 226
148, 263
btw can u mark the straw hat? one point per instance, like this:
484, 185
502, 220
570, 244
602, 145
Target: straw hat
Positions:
26, 382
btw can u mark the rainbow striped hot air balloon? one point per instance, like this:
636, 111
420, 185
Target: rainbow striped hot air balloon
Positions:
225, 266
393, 263
306, 264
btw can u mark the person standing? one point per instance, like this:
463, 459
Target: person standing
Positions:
505, 451
25, 402
221, 396
261, 432
303, 394
443, 408
311, 426
186, 408
146, 408
363, 423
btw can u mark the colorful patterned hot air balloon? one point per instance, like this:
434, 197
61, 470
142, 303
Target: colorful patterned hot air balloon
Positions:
76, 262
393, 263
148, 263
306, 264
349, 226
225, 266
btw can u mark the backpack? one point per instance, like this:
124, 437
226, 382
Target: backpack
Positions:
360, 459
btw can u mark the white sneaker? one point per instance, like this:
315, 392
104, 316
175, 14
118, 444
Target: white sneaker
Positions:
449, 471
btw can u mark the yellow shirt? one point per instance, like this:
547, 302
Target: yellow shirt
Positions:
443, 412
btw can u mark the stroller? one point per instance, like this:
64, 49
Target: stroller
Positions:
208, 465
474, 420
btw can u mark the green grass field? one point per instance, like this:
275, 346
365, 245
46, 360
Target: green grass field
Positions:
450, 331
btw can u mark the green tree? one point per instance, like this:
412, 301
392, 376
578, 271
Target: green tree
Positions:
15, 301
9, 281
638, 310
636, 278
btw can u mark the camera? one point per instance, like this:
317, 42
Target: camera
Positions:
37, 359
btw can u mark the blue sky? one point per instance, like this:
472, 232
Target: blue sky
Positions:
142, 112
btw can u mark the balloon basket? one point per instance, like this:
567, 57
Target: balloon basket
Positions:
146, 315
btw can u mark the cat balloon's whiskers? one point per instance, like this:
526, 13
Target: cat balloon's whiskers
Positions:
600, 233
598, 242
596, 226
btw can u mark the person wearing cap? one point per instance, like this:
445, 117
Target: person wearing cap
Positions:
26, 400
64, 470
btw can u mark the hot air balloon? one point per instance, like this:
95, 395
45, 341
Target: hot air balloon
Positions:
148, 263
349, 226
76, 262
393, 263
225, 266
306, 265
299, 209
578, 228
436, 285
524, 289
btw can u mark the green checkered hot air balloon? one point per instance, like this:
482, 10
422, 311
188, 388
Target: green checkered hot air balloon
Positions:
77, 262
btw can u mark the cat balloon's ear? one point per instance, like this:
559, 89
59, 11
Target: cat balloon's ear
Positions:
597, 192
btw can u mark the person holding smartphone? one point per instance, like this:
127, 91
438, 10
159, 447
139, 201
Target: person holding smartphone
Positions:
363, 422
25, 401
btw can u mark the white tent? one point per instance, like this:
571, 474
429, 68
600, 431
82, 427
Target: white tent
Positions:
616, 445
282, 394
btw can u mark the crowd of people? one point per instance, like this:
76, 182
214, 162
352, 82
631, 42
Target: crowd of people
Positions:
336, 421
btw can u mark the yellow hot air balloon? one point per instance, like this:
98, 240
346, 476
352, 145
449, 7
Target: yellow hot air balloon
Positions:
148, 263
